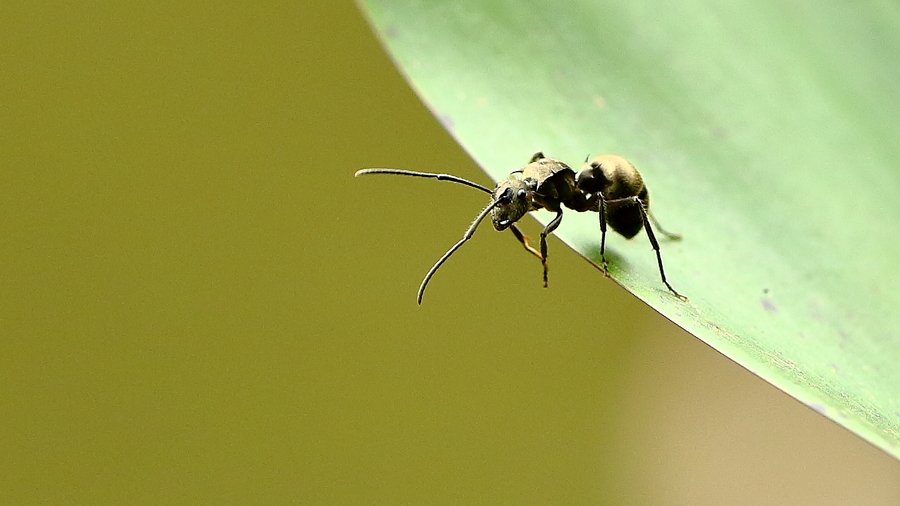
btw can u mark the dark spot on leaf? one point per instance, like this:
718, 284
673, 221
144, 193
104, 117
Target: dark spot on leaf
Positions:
845, 338
446, 121
816, 312
820, 409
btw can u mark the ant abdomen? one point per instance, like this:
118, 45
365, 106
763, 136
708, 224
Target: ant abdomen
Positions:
619, 182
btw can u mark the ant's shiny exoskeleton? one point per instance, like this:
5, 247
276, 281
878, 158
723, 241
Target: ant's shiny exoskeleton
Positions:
607, 184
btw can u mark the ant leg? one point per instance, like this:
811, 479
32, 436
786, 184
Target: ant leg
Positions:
524, 240
671, 235
601, 208
548, 229
655, 244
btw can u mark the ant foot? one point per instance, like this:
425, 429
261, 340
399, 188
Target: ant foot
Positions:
682, 298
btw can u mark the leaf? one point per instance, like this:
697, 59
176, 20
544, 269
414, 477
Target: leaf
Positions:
765, 132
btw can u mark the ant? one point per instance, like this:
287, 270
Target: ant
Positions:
607, 184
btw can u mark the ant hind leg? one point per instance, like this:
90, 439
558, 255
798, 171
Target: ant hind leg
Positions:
670, 235
655, 244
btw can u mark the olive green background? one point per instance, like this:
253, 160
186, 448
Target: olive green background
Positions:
200, 305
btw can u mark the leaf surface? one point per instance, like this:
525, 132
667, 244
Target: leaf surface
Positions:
766, 134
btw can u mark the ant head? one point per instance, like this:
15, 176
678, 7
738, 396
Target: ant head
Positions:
513, 197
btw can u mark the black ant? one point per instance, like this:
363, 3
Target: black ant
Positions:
607, 184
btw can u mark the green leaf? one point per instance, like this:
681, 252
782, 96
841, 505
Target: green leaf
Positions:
766, 134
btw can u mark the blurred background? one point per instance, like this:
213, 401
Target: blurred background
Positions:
200, 305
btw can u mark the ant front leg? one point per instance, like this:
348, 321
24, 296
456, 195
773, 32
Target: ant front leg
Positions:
524, 240
547, 230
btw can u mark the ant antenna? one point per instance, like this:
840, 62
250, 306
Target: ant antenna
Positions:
455, 247
469, 232
439, 177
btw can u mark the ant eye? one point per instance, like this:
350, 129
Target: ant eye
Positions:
506, 196
521, 194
